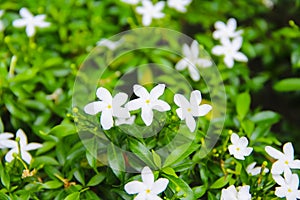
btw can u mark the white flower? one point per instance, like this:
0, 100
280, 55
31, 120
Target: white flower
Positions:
24, 147
132, 2
30, 21
1, 23
252, 170
129, 121
149, 11
288, 185
189, 109
232, 193
109, 106
191, 60
285, 161
148, 189
109, 44
5, 141
230, 50
226, 31
179, 5
239, 148
148, 102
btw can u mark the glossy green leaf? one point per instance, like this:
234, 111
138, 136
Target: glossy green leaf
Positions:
288, 85
221, 182
97, 179
243, 104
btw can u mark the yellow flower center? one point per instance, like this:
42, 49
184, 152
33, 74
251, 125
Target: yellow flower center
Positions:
238, 149
289, 190
148, 191
189, 109
147, 101
286, 162
109, 106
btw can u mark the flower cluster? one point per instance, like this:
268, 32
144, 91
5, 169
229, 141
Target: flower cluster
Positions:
20, 146
147, 101
231, 42
151, 11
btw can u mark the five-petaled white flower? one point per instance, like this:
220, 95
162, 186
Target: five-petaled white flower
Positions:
149, 11
288, 185
148, 102
224, 31
239, 148
192, 60
179, 5
121, 121
21, 147
240, 193
230, 50
252, 170
285, 161
132, 2
189, 109
111, 45
1, 23
5, 141
30, 21
109, 106
148, 189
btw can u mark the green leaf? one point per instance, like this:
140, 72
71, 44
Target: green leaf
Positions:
97, 179
141, 152
73, 196
169, 171
199, 191
52, 184
63, 130
288, 85
79, 176
46, 147
184, 188
115, 159
4, 196
156, 159
43, 160
180, 153
5, 179
243, 104
221, 182
264, 117
1, 126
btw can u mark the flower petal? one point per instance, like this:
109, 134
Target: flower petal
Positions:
280, 192
240, 57
196, 97
147, 176
93, 108
30, 30
181, 101
25, 13
23, 138
9, 155
195, 48
190, 122
234, 138
134, 187
186, 51
160, 185
288, 150
147, 115
157, 91
180, 113
153, 197
140, 91
243, 141
194, 72
26, 156
147, 19
32, 146
5, 136
141, 196
104, 95
203, 110
279, 179
106, 120
182, 64
231, 23
121, 112
295, 164
161, 106
277, 167
228, 60
119, 99
274, 152
18, 23
218, 50
135, 104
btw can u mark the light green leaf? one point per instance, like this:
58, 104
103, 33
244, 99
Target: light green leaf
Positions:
52, 184
184, 188
73, 196
97, 179
169, 171
142, 152
199, 191
115, 159
243, 104
264, 117
221, 182
288, 85
156, 159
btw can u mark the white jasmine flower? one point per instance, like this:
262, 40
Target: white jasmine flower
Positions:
1, 23
5, 141
252, 170
191, 60
148, 102
285, 161
30, 21
189, 109
109, 44
132, 2
129, 121
226, 31
109, 106
148, 189
179, 5
239, 148
240, 193
268, 3
150, 11
24, 148
288, 185
230, 50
